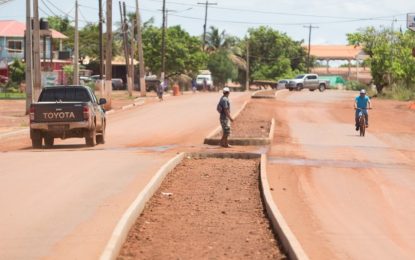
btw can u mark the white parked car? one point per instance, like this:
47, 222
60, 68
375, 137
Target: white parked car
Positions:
202, 80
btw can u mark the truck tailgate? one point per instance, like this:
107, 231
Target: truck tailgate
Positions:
46, 112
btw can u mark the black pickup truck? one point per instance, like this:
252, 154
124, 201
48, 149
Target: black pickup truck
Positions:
67, 112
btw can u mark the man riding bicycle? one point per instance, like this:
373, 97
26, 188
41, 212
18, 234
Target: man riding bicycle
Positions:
362, 103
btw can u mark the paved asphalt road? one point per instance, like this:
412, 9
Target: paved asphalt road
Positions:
63, 203
345, 196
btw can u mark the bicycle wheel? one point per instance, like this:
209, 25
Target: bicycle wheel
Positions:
362, 125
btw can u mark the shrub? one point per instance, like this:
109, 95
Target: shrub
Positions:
400, 92
356, 85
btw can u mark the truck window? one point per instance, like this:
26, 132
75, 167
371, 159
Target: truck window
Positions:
64, 94
94, 98
299, 77
312, 77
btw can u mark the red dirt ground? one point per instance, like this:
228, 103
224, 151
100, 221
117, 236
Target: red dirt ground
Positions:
218, 216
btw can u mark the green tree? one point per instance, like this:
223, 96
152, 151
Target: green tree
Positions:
216, 40
390, 56
221, 67
68, 70
183, 52
274, 55
17, 71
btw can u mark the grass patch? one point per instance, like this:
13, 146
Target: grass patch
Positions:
399, 93
12, 95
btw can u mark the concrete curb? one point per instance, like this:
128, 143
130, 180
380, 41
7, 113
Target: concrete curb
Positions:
14, 132
137, 102
257, 94
129, 217
242, 141
288, 240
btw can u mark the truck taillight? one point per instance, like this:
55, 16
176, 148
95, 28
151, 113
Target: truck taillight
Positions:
86, 112
32, 113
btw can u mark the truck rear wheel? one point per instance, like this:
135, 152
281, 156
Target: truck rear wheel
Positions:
101, 136
36, 137
90, 138
49, 140
322, 87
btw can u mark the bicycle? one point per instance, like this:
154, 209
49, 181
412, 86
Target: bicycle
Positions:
362, 121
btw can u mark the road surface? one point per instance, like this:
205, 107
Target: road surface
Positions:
64, 203
345, 196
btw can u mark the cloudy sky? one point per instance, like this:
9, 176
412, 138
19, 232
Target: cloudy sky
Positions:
333, 18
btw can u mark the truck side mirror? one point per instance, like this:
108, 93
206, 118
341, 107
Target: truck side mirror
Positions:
102, 101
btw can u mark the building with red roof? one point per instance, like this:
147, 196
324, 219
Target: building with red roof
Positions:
12, 45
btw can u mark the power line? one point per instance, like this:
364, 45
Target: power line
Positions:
60, 10
280, 13
281, 24
83, 16
206, 4
47, 7
2, 2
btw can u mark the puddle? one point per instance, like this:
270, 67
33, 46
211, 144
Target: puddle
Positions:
332, 163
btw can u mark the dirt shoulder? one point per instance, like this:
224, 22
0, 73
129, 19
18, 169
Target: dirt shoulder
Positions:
218, 216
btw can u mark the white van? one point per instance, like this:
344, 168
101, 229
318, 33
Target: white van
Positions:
203, 79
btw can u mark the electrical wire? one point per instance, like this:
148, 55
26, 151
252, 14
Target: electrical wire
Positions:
276, 13
47, 7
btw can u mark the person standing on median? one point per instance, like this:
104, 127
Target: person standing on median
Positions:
224, 109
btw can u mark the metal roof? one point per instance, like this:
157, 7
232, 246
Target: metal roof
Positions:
12, 28
336, 52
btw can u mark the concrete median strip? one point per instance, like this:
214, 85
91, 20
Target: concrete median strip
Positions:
289, 242
212, 140
262, 94
123, 227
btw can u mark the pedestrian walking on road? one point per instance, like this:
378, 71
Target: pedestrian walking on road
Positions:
224, 109
193, 85
160, 89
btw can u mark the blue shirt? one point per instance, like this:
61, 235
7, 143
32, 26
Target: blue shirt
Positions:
225, 104
362, 101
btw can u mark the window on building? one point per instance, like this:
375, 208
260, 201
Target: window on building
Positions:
15, 46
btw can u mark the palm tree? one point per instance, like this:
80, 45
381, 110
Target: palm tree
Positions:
216, 40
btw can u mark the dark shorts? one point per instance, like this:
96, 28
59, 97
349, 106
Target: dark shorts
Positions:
226, 126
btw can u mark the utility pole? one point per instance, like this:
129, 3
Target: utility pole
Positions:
76, 54
101, 85
247, 66
140, 51
125, 45
28, 57
36, 51
204, 26
132, 70
163, 44
310, 27
127, 53
108, 56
